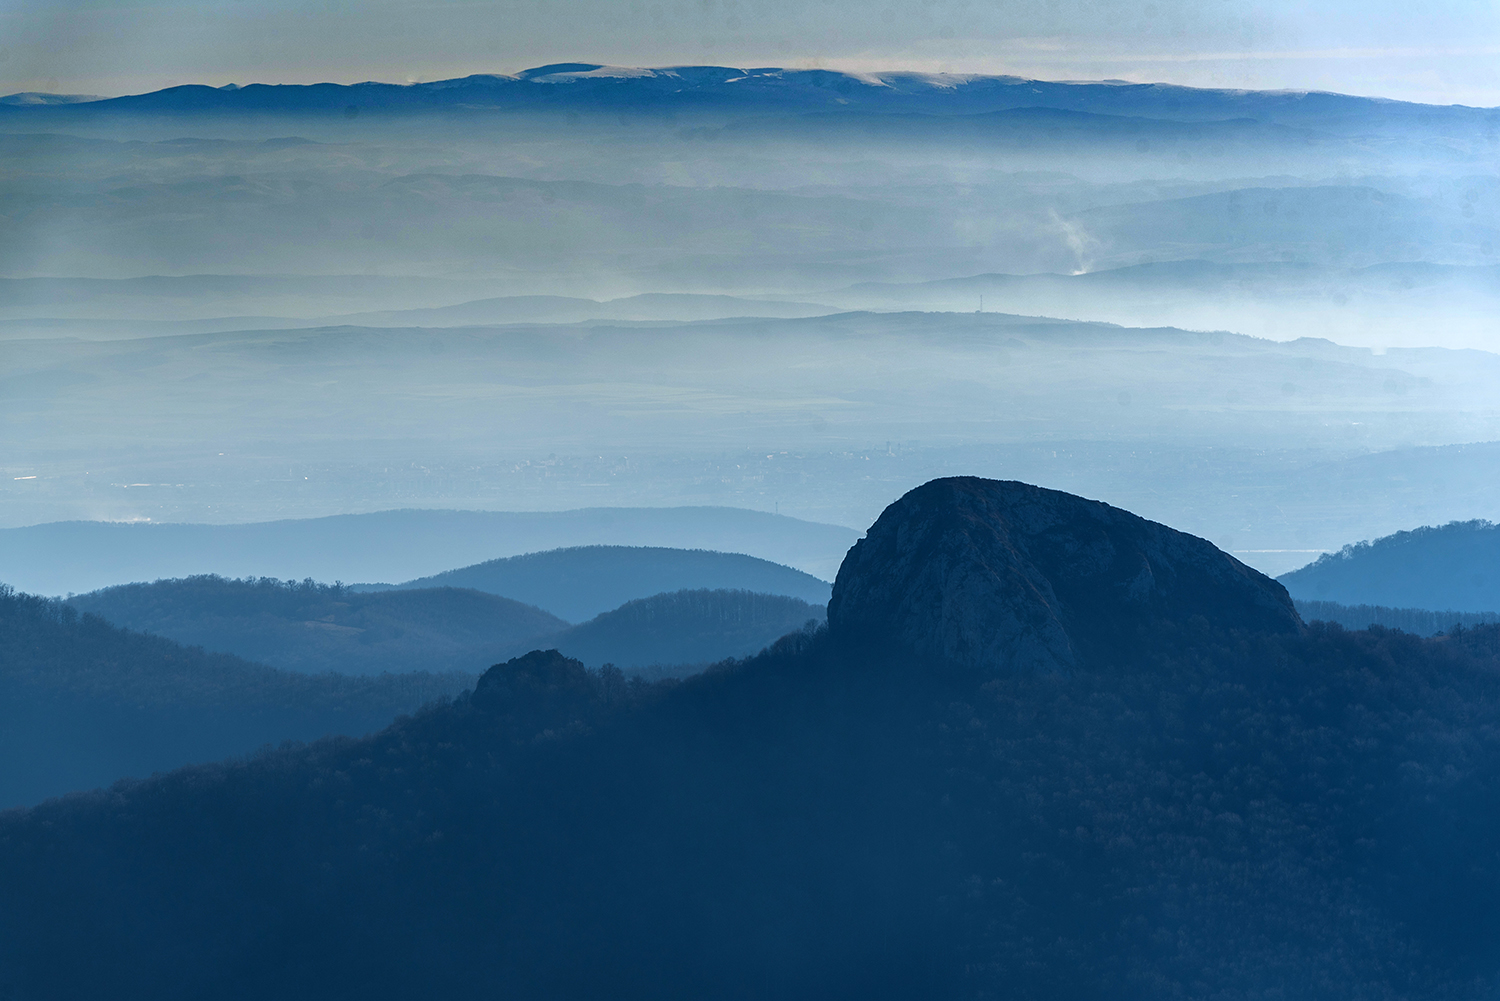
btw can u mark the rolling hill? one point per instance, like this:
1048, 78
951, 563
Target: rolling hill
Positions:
584, 581
685, 629
312, 628
79, 556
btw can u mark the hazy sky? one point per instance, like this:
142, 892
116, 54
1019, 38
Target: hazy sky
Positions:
1441, 51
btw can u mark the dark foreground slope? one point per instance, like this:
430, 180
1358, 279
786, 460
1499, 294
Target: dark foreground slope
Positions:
583, 581
310, 627
83, 703
1455, 566
1214, 806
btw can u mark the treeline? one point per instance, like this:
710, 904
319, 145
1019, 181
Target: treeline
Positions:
1420, 621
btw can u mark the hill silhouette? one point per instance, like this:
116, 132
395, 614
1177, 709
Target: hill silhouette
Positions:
684, 628
311, 628
79, 556
83, 703
585, 581
1211, 802
1453, 567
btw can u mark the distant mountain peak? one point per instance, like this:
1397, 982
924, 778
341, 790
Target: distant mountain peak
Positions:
1001, 575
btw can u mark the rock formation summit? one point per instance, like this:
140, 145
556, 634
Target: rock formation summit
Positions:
1000, 575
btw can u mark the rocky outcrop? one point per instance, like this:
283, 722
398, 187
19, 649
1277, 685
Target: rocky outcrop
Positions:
1000, 575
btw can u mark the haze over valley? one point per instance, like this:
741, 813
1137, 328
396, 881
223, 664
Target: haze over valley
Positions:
584, 287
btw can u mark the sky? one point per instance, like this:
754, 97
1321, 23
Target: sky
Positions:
1443, 51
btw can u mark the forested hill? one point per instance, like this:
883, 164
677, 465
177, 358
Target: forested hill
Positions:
684, 628
83, 703
581, 582
311, 627
1455, 566
1153, 783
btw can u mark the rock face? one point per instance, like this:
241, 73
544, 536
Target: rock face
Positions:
1000, 575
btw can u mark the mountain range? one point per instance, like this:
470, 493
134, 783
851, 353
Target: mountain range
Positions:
703, 89
313, 628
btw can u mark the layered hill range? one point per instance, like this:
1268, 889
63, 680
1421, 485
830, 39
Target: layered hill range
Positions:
408, 545
675, 622
580, 582
1224, 435
1046, 749
139, 678
583, 286
579, 188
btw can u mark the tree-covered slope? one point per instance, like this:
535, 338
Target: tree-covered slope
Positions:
584, 581
310, 627
685, 628
1455, 566
83, 703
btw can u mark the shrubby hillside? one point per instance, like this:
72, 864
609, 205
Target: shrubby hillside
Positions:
1136, 776
83, 703
1454, 566
581, 582
310, 627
